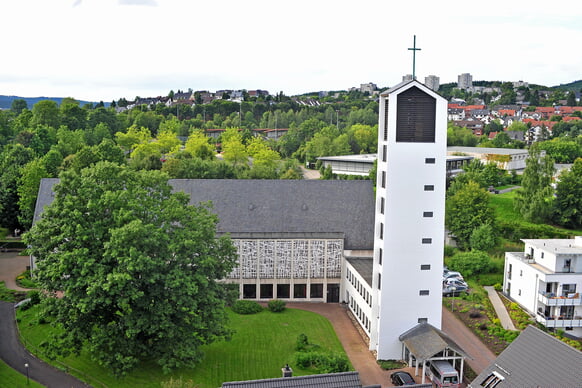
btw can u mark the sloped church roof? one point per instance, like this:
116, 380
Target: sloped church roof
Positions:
249, 208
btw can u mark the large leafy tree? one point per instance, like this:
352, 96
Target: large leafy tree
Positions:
569, 197
137, 267
467, 209
534, 199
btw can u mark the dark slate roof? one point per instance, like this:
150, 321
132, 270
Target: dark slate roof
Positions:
424, 341
364, 266
278, 208
330, 380
536, 359
288, 206
45, 196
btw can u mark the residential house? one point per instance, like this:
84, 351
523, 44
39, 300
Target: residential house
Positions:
533, 359
546, 280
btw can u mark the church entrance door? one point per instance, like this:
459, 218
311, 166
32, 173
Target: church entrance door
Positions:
333, 291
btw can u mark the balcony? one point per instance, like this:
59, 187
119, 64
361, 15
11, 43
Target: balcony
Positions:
549, 299
575, 321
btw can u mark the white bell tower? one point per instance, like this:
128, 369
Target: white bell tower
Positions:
410, 211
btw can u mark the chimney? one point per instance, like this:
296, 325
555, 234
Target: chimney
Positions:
287, 371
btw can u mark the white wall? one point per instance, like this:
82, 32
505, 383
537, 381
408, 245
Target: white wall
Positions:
400, 276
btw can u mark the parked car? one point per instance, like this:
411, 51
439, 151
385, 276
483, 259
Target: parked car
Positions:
402, 378
453, 274
454, 282
454, 290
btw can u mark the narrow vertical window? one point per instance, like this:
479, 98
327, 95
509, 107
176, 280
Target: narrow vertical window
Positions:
380, 256
381, 205
384, 151
379, 281
383, 179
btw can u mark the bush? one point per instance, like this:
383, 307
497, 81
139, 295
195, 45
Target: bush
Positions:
276, 305
498, 287
246, 307
391, 364
322, 362
470, 263
34, 298
302, 342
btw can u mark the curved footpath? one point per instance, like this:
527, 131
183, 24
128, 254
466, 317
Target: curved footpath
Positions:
16, 355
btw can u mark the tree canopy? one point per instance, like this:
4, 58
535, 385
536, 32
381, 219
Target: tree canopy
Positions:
137, 267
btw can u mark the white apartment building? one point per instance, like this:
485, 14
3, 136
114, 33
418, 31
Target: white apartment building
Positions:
546, 280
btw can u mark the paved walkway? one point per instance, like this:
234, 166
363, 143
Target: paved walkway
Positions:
480, 355
310, 174
16, 356
500, 309
12, 265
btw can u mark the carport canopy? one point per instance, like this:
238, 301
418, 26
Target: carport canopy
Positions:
425, 342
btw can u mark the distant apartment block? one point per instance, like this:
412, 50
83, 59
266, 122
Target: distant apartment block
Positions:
546, 280
368, 88
465, 81
407, 77
432, 82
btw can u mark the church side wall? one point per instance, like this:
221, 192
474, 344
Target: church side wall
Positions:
358, 296
289, 269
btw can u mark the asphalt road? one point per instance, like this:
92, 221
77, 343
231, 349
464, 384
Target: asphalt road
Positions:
16, 356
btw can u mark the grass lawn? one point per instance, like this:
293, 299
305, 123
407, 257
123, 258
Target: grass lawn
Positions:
504, 210
261, 345
503, 205
11, 378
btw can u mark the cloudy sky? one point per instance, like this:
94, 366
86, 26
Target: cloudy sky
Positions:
108, 49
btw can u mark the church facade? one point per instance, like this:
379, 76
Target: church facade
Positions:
379, 252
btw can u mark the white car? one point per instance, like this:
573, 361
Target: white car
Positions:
453, 274
454, 282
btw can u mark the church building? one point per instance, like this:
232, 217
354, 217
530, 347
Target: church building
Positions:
380, 253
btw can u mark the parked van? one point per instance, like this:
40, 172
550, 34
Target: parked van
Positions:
443, 374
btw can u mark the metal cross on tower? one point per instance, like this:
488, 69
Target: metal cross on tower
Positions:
414, 50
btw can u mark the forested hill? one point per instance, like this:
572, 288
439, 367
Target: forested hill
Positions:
6, 101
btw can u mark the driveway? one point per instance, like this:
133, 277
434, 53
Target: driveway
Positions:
12, 265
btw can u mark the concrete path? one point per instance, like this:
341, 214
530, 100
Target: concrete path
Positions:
12, 265
16, 355
310, 174
480, 354
500, 309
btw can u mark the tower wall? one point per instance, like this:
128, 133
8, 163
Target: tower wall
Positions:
409, 222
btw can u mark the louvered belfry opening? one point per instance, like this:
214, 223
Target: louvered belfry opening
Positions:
415, 121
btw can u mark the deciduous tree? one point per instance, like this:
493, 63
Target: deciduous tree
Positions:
466, 210
137, 267
568, 200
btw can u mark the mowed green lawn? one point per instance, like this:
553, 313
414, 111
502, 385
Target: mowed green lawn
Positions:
11, 378
261, 345
505, 211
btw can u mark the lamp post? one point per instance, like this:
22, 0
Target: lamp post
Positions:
27, 375
453, 289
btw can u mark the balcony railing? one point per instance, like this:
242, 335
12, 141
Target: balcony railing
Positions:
575, 321
550, 299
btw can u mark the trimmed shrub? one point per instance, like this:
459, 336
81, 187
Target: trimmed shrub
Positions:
246, 307
276, 305
34, 298
322, 362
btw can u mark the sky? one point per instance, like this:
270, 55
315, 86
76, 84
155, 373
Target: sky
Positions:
103, 50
